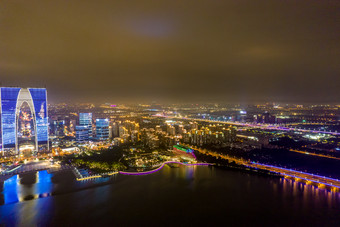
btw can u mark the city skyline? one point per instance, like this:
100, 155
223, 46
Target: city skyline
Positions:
227, 51
169, 113
172, 152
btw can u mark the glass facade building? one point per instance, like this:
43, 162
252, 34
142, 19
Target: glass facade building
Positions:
85, 119
12, 99
9, 97
102, 129
39, 97
82, 134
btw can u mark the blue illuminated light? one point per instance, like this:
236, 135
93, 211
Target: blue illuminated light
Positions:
10, 190
39, 97
9, 98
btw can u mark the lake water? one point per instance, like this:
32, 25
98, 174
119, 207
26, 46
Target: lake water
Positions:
197, 195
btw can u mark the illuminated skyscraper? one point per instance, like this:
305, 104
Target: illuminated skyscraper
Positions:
85, 119
12, 98
102, 129
82, 134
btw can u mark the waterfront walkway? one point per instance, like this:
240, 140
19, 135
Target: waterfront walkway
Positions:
33, 167
81, 177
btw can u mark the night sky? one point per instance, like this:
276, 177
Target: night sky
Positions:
168, 50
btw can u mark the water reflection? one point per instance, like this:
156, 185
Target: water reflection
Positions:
190, 172
44, 184
10, 190
17, 189
197, 190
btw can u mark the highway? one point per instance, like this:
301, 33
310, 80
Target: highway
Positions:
314, 154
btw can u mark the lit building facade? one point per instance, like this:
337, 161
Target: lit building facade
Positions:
102, 129
85, 119
12, 98
82, 134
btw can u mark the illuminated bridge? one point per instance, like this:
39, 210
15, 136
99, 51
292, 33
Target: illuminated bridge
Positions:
321, 181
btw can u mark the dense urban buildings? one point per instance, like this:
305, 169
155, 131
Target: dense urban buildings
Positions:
277, 141
170, 113
257, 126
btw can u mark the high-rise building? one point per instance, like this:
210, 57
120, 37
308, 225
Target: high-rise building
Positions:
72, 125
12, 98
170, 130
181, 129
82, 133
58, 128
102, 129
265, 118
115, 129
193, 125
85, 119
123, 131
158, 128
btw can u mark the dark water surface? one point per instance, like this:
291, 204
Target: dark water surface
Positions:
173, 196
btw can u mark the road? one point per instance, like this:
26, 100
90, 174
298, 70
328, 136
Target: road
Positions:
314, 154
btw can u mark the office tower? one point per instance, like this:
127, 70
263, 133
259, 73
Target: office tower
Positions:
58, 128
115, 129
12, 98
102, 129
85, 119
82, 134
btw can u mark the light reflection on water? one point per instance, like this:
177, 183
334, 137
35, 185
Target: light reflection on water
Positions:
16, 191
44, 184
10, 190
193, 189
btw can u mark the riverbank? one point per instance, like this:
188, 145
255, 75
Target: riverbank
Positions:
203, 195
81, 177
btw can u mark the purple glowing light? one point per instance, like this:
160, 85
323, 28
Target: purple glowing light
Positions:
159, 168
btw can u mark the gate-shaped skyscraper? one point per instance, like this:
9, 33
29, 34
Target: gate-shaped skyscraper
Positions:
11, 100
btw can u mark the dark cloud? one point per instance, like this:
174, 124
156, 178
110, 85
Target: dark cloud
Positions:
240, 50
